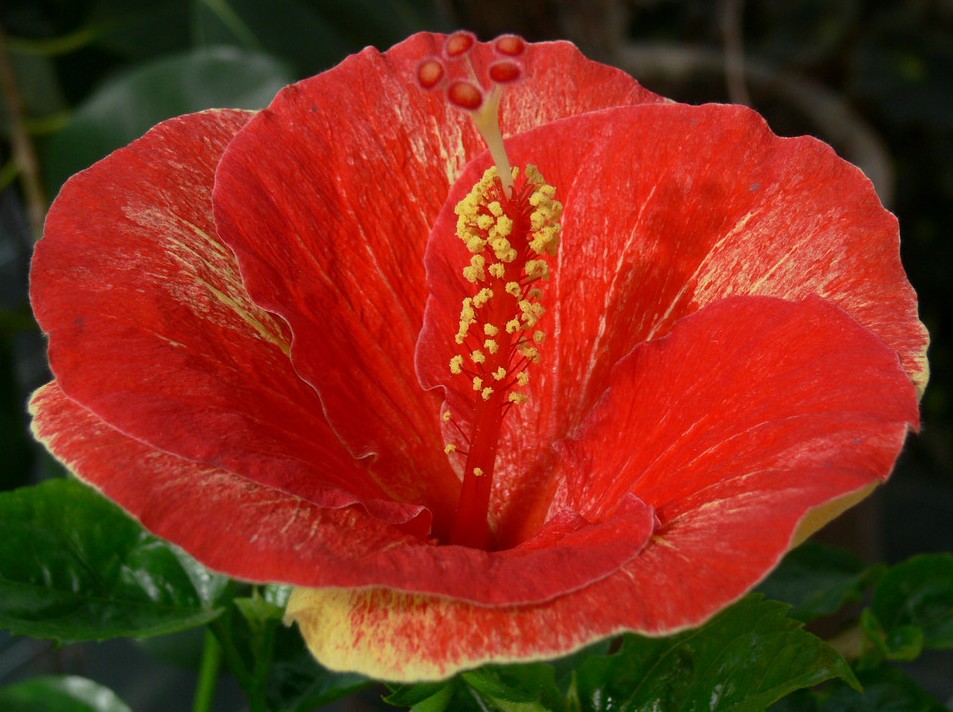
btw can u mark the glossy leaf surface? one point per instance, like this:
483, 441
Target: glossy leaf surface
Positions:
74, 567
125, 107
817, 580
744, 659
918, 593
67, 693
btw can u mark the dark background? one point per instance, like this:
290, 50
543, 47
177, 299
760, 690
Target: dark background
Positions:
875, 79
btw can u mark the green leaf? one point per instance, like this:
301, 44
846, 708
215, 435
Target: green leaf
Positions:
918, 593
886, 689
302, 686
258, 611
817, 580
55, 693
277, 594
488, 682
746, 658
800, 701
284, 28
74, 567
425, 697
312, 35
903, 642
125, 107
529, 688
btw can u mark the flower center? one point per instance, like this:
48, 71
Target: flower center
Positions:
510, 224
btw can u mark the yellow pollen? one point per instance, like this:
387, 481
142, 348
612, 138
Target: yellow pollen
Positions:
504, 226
537, 269
510, 224
543, 195
476, 244
530, 352
482, 297
502, 249
538, 219
545, 242
466, 313
475, 273
544, 220
467, 317
532, 311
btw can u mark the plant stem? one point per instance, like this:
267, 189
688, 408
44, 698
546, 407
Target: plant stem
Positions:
253, 681
264, 655
208, 674
233, 658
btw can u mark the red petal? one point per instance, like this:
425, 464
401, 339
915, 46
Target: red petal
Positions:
230, 522
264, 533
151, 329
329, 217
751, 414
668, 208
750, 393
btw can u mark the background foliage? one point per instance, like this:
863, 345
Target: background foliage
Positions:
82, 77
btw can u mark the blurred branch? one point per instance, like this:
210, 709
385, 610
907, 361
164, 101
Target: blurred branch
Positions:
23, 151
54, 46
732, 12
46, 125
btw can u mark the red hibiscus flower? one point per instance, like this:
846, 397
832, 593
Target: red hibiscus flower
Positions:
471, 420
